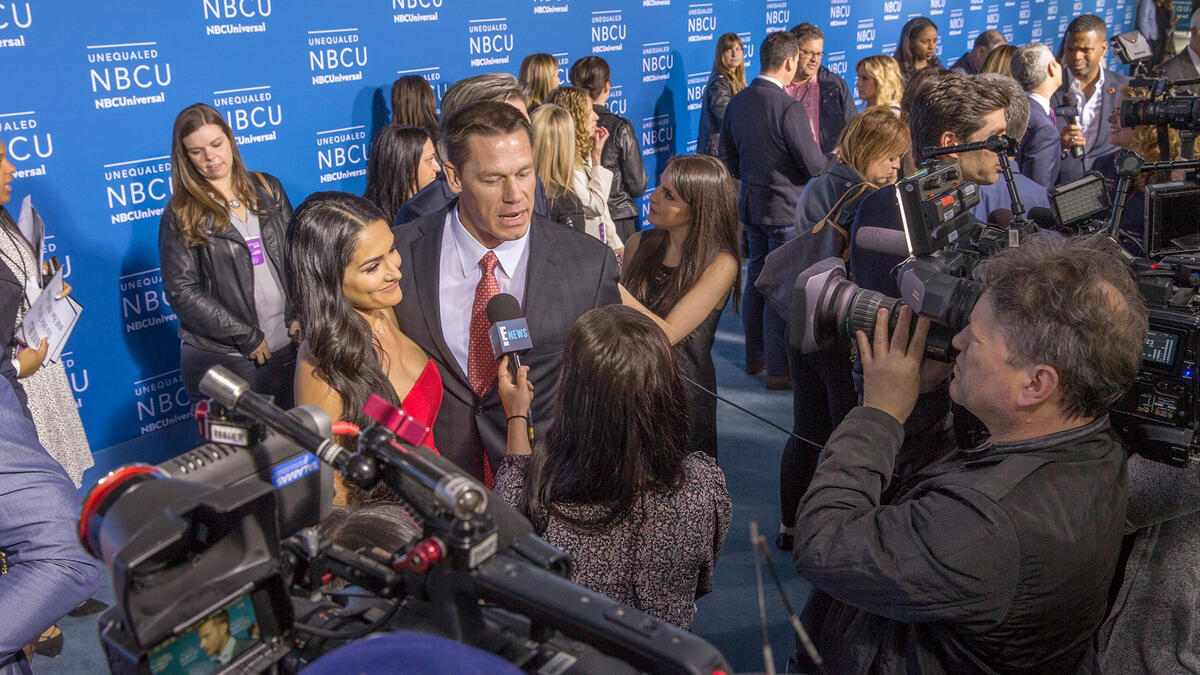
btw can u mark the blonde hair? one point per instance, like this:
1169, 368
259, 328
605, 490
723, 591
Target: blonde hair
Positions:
579, 104
554, 157
873, 133
736, 76
889, 85
1000, 60
539, 73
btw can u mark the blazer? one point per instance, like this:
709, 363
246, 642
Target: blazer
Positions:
1180, 67
568, 273
1040, 151
1070, 167
438, 195
767, 143
717, 94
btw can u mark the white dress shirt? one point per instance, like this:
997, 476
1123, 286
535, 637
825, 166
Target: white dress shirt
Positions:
459, 273
1194, 57
1089, 110
1042, 101
770, 79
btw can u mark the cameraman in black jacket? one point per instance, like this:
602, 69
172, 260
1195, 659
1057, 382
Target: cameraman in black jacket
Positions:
621, 154
998, 557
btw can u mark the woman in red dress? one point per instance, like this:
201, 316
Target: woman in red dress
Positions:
344, 279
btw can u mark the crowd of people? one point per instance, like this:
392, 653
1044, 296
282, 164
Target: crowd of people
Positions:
927, 553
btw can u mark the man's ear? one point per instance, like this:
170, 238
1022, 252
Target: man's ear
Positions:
453, 177
947, 139
1041, 387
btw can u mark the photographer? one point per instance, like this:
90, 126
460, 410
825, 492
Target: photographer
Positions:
997, 557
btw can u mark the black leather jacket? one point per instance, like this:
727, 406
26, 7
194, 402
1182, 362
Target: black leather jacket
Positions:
211, 288
623, 157
717, 93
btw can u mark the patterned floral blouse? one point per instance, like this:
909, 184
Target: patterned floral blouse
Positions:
660, 557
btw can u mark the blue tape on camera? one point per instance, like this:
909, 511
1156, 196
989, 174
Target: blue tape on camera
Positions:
294, 469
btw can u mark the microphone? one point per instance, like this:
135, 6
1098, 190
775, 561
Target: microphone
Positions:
1044, 218
997, 143
1001, 218
509, 334
1070, 111
881, 240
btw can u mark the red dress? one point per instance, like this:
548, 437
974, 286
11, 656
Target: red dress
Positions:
425, 399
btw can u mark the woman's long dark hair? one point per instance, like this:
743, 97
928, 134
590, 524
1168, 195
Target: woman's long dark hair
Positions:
705, 185
620, 424
392, 166
322, 236
413, 103
904, 49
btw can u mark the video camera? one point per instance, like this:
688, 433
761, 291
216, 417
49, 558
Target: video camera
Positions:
218, 546
943, 244
1168, 105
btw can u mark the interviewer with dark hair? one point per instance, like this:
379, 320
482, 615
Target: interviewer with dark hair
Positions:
612, 484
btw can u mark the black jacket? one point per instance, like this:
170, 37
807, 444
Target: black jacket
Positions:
995, 559
717, 93
767, 143
566, 208
211, 288
837, 107
623, 157
12, 293
438, 195
822, 194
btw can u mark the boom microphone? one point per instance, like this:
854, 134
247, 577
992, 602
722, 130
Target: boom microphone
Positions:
881, 240
1070, 111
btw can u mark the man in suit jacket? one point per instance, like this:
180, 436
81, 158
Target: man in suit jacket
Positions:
971, 62
489, 241
1095, 89
1186, 64
1040, 75
767, 143
831, 105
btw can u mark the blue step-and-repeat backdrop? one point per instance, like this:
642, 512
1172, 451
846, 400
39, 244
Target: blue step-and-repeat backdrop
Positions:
90, 91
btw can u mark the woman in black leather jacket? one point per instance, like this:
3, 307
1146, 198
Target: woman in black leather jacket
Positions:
728, 78
221, 242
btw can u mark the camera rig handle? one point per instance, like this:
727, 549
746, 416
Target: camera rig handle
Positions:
1004, 146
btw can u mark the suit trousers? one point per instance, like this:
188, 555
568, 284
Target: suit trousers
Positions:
766, 331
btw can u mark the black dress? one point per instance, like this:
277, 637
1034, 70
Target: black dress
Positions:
694, 354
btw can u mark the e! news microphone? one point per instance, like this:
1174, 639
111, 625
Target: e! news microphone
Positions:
1070, 111
509, 334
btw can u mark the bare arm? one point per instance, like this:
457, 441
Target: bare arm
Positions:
310, 389
697, 303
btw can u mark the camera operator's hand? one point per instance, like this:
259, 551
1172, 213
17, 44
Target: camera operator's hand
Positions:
1072, 136
892, 371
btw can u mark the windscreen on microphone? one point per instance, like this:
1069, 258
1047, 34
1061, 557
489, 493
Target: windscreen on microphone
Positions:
1001, 217
503, 307
1069, 100
881, 240
1044, 218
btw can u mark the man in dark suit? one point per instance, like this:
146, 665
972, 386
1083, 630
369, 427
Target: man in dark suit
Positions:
1186, 64
767, 143
498, 87
1095, 90
825, 96
489, 241
971, 62
1040, 75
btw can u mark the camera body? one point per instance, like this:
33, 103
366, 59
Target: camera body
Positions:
1160, 414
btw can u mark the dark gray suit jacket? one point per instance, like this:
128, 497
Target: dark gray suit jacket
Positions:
1180, 67
438, 195
1040, 150
1070, 167
767, 143
569, 273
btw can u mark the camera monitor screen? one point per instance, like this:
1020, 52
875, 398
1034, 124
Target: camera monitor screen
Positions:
1171, 223
1159, 347
211, 644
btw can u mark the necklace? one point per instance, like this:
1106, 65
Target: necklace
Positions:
235, 203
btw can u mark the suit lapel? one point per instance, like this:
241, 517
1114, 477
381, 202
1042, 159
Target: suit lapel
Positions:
426, 252
539, 273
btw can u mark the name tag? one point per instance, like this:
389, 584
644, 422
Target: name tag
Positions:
256, 250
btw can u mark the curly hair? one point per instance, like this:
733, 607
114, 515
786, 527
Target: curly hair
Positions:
579, 104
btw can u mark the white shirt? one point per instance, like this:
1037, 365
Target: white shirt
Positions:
770, 79
1089, 110
459, 273
1042, 101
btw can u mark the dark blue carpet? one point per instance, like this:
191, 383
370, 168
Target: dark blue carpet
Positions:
729, 616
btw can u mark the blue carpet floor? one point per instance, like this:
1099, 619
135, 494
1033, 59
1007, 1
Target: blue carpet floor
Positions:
729, 616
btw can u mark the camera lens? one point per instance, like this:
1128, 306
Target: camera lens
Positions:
103, 495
